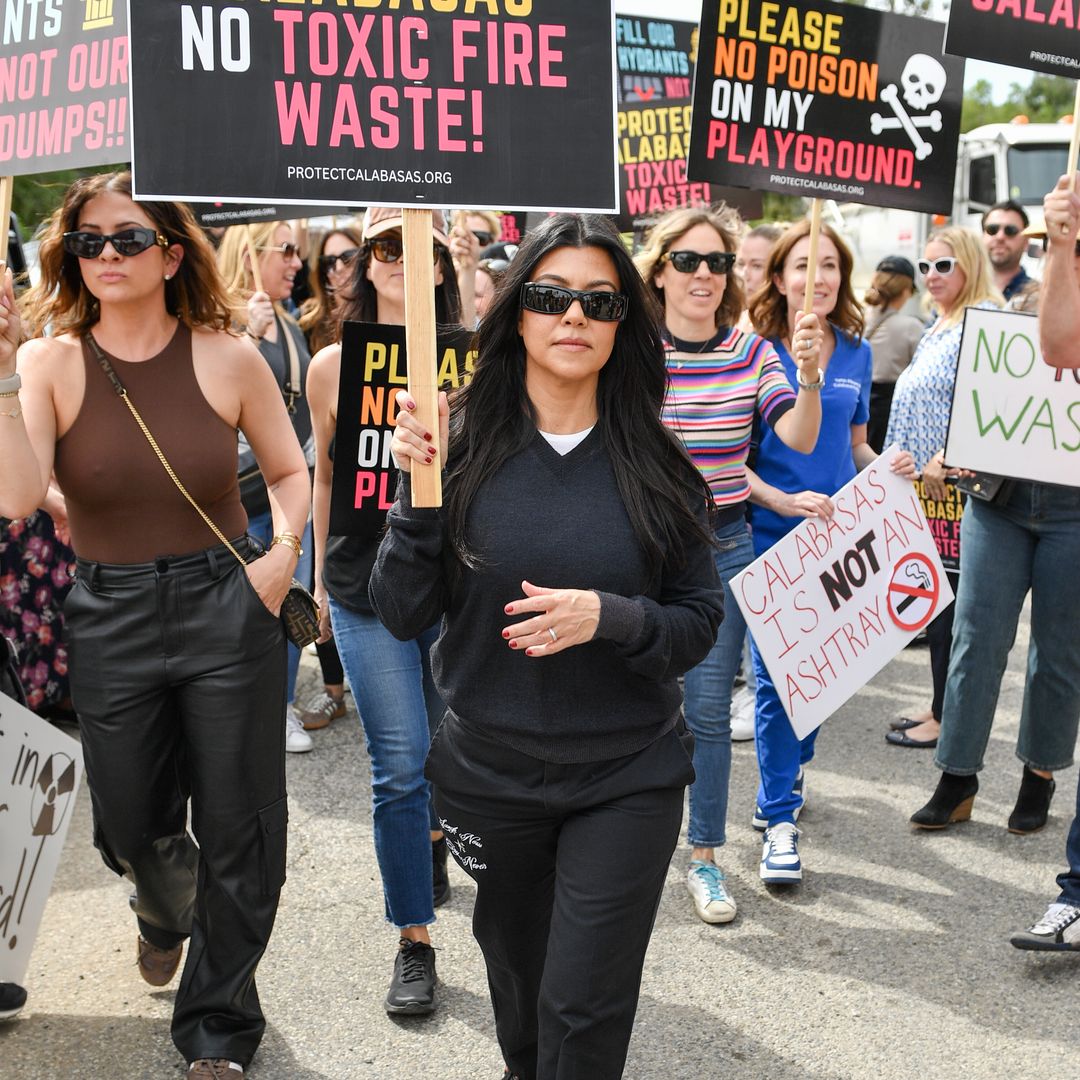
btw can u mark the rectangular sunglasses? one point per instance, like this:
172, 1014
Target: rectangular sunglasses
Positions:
943, 266
687, 262
554, 300
388, 249
88, 245
994, 228
328, 262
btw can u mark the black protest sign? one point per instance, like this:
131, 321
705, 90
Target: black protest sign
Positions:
655, 61
216, 214
373, 370
450, 103
63, 85
830, 101
1033, 34
944, 517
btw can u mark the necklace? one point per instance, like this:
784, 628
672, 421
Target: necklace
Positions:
689, 347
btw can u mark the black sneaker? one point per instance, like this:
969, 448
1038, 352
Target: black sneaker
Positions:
412, 989
1058, 930
440, 877
12, 999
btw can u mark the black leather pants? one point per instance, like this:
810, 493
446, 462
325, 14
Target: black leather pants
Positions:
178, 676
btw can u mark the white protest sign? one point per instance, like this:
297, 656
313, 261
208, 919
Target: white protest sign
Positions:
40, 769
834, 601
1011, 413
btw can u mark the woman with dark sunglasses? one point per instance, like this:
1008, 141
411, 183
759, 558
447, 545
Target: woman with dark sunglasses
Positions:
391, 680
259, 306
787, 487
721, 379
957, 275
331, 270
177, 652
571, 569
1026, 540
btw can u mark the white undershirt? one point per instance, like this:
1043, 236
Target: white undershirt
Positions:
563, 444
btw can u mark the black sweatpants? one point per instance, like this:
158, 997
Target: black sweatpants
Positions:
569, 863
178, 676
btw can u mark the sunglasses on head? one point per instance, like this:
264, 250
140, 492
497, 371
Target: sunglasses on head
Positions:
388, 249
944, 267
554, 300
286, 250
686, 262
328, 262
994, 228
88, 245
1076, 252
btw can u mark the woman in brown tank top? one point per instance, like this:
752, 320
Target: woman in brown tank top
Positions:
177, 651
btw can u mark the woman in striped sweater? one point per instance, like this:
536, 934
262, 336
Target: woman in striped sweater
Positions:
720, 379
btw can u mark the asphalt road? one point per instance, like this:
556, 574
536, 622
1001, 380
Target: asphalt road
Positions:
890, 961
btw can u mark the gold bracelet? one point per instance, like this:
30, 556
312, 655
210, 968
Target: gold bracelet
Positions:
9, 393
290, 541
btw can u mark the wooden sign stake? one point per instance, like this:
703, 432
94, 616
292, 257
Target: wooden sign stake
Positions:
256, 273
416, 234
811, 256
1074, 145
7, 186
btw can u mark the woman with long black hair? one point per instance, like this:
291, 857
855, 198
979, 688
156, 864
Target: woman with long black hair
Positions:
571, 568
178, 667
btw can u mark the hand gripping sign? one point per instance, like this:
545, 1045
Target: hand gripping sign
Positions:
834, 601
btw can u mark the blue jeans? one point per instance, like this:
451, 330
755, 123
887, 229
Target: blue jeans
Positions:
398, 705
707, 692
1030, 542
262, 528
1069, 882
780, 754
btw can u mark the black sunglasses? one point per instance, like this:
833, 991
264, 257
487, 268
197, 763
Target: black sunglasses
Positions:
554, 300
88, 245
328, 262
943, 266
388, 249
994, 228
686, 262
286, 250
1076, 252
483, 236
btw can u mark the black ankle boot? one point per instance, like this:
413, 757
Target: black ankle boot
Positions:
951, 802
1032, 804
439, 876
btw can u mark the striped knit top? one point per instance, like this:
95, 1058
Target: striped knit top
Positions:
715, 387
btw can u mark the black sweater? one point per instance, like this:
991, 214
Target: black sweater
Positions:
558, 522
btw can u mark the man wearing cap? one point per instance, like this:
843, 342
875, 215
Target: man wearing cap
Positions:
1003, 228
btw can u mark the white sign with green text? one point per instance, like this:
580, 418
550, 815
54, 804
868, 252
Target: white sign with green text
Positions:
1012, 414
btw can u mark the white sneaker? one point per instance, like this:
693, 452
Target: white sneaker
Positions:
712, 901
742, 714
780, 863
297, 740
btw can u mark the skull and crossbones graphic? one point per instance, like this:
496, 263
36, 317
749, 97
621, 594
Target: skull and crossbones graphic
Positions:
922, 82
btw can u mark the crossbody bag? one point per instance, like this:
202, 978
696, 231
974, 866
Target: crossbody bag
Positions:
299, 612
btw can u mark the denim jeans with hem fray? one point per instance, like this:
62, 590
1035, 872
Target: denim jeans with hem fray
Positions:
1029, 542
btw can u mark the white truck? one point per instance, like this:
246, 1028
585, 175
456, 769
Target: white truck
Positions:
1018, 161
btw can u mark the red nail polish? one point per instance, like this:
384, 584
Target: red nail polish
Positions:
513, 644
427, 461
509, 609
506, 633
432, 450
426, 436
410, 405
528, 652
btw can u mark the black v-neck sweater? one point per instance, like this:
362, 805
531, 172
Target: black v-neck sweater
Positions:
558, 522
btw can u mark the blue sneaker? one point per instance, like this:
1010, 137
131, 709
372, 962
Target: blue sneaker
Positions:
760, 822
780, 863
712, 901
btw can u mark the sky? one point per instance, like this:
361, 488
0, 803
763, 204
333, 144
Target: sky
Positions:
1000, 77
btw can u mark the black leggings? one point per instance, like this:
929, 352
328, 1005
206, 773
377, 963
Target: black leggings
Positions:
569, 863
939, 638
178, 676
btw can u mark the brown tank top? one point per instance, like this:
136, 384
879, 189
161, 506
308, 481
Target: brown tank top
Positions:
122, 506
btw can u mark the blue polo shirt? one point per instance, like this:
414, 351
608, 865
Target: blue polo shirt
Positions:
845, 400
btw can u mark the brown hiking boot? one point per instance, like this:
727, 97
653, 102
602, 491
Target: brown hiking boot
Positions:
158, 966
214, 1069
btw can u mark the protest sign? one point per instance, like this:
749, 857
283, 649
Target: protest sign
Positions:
373, 368
1011, 413
944, 517
832, 101
63, 85
38, 784
446, 104
834, 601
215, 214
655, 63
1033, 34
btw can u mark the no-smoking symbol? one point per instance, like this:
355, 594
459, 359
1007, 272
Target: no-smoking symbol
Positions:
914, 590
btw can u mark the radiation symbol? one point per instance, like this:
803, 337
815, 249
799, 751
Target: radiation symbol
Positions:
52, 793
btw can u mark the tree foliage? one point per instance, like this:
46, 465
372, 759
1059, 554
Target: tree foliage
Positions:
1045, 100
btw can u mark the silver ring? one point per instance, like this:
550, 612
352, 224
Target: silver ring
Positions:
554, 636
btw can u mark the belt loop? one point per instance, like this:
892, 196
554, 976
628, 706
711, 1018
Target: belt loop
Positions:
95, 576
212, 561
